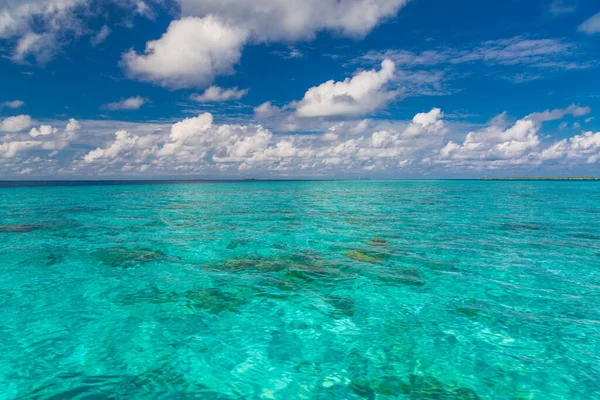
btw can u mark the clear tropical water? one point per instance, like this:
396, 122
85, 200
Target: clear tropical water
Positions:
323, 290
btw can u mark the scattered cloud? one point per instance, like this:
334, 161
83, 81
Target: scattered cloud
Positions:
45, 138
12, 104
560, 7
518, 50
101, 36
218, 94
207, 41
200, 146
16, 124
131, 103
41, 27
591, 25
362, 94
291, 53
502, 145
584, 148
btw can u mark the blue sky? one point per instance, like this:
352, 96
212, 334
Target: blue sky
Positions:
328, 88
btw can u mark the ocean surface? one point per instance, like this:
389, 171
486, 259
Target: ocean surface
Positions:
301, 290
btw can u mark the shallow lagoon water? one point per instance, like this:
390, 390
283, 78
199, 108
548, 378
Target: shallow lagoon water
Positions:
291, 290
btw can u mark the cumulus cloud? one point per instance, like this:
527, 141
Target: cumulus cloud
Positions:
274, 20
44, 130
12, 104
197, 145
191, 53
131, 103
208, 39
218, 94
124, 141
502, 144
45, 138
16, 124
591, 25
496, 144
266, 110
73, 125
365, 92
581, 148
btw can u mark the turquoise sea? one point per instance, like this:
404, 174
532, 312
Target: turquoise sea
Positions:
301, 290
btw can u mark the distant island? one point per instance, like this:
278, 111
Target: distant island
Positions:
545, 178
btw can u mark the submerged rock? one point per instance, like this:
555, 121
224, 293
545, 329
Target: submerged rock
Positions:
368, 257
128, 257
378, 242
410, 276
213, 300
257, 264
235, 243
428, 387
342, 305
19, 228
295, 266
468, 311
418, 387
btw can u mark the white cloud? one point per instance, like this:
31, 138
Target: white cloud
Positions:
41, 46
581, 148
124, 142
191, 53
208, 39
559, 113
218, 94
46, 138
197, 145
44, 130
41, 27
101, 36
365, 92
131, 103
275, 20
16, 124
12, 104
559, 7
501, 145
266, 110
73, 125
591, 25
424, 72
427, 144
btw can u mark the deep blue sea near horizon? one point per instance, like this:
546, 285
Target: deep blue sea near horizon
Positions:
301, 290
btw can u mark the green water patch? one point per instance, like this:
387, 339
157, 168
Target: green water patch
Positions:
586, 236
235, 243
408, 276
211, 300
161, 376
20, 228
417, 387
125, 257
